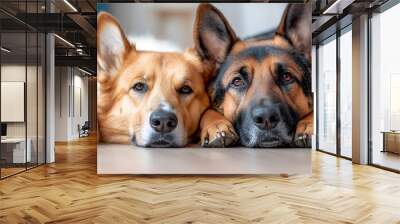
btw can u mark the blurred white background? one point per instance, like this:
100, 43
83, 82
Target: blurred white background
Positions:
169, 26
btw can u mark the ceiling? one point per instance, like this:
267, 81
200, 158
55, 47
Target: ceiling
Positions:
74, 22
332, 15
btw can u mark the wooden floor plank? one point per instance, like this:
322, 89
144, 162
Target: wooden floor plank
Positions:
70, 191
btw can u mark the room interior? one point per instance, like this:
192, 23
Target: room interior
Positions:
332, 58
25, 68
48, 150
22, 101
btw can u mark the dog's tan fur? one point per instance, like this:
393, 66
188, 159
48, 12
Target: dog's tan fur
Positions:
122, 112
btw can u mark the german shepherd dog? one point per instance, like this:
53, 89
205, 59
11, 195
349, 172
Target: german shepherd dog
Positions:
151, 99
261, 85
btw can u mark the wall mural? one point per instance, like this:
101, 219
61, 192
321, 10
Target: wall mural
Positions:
226, 88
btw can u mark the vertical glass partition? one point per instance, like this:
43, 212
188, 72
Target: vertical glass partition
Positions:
31, 99
385, 89
41, 96
14, 153
346, 92
22, 89
327, 95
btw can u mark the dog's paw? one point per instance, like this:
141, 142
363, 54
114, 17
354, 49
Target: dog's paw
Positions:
304, 132
219, 134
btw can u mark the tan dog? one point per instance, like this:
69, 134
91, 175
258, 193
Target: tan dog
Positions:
151, 99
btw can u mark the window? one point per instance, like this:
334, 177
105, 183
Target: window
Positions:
327, 96
334, 106
346, 92
385, 89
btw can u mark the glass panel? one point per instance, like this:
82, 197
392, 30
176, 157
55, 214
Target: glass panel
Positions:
31, 87
385, 84
13, 87
31, 98
22, 87
41, 89
41, 98
346, 94
327, 96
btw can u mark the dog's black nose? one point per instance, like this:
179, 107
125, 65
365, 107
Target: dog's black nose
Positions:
163, 121
265, 117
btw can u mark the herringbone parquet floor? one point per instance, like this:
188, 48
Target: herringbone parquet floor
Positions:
70, 191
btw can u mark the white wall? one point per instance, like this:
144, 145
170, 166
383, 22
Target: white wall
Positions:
61, 103
249, 19
80, 103
70, 84
17, 73
33, 126
173, 23
12, 73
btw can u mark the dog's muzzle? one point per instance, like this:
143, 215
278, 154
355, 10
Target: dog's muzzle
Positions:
163, 124
163, 121
266, 124
265, 117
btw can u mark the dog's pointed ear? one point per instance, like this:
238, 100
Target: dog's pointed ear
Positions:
295, 26
112, 44
213, 36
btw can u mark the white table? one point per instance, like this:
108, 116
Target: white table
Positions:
19, 155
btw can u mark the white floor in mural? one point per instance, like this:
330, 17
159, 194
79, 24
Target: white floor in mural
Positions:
128, 159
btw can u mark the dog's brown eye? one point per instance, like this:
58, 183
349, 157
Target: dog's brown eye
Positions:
237, 82
185, 90
287, 77
140, 87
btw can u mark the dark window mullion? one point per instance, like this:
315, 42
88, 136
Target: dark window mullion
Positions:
26, 88
338, 73
37, 90
316, 97
0, 97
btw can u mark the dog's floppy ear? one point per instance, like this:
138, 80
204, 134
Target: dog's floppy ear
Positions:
295, 26
213, 36
112, 44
